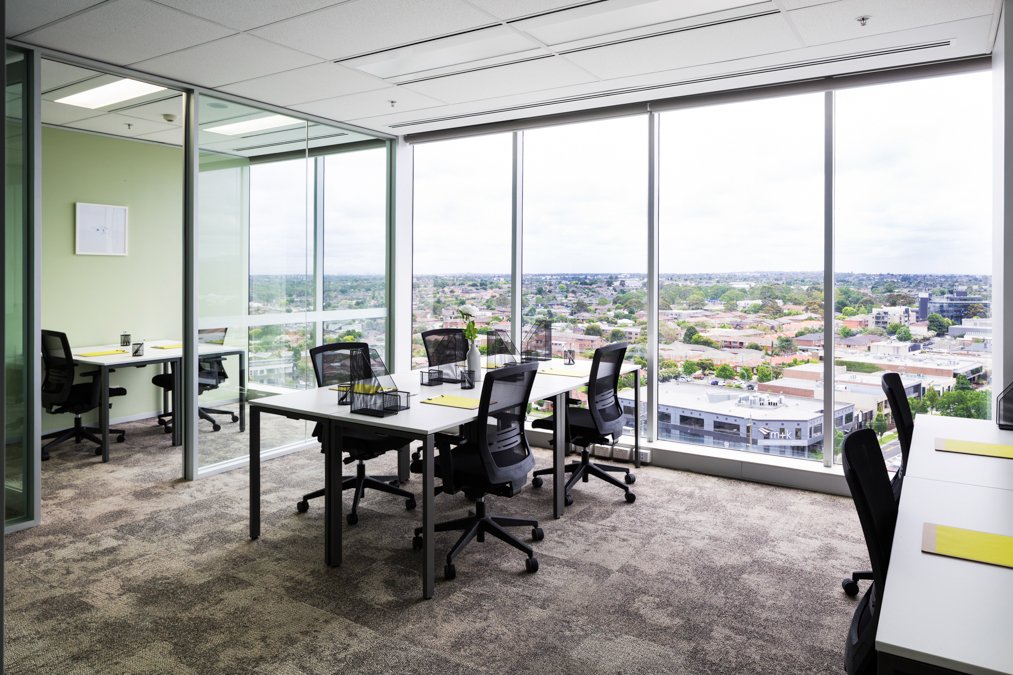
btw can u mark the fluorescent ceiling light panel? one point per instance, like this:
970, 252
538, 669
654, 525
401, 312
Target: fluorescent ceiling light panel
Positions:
251, 126
108, 94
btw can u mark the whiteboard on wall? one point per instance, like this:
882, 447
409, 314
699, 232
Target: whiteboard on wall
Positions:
101, 229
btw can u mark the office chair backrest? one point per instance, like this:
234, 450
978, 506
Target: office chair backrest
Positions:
499, 436
332, 363
602, 394
869, 482
58, 364
893, 387
445, 345
211, 369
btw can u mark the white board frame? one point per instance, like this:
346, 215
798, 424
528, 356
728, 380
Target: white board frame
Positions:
100, 229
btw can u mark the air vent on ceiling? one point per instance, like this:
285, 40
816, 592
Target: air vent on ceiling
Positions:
712, 78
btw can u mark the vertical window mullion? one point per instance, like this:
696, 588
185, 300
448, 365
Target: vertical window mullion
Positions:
653, 205
517, 238
829, 430
318, 248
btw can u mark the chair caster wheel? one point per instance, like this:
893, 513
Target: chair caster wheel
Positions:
630, 479
235, 418
449, 571
531, 565
630, 498
850, 587
303, 506
410, 504
536, 482
568, 500
160, 423
216, 427
416, 456
352, 518
121, 438
537, 534
417, 542
98, 451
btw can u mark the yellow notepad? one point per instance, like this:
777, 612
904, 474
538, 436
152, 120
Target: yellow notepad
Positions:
107, 352
176, 345
956, 542
361, 388
454, 401
564, 371
974, 448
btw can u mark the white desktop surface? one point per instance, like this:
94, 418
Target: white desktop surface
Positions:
944, 611
927, 462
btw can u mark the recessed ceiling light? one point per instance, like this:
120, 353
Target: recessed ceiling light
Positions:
108, 94
250, 126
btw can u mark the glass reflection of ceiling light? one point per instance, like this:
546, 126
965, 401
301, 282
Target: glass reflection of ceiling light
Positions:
108, 94
250, 126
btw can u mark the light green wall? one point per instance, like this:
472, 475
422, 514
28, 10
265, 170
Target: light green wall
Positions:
94, 298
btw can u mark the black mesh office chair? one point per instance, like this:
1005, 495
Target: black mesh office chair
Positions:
596, 424
333, 364
494, 459
210, 374
60, 394
867, 478
900, 409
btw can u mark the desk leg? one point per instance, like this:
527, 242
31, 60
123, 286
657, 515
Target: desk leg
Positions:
242, 391
255, 473
103, 410
404, 461
331, 437
177, 402
428, 520
636, 418
559, 447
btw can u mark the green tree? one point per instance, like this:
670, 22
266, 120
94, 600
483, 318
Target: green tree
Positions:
784, 345
976, 310
755, 345
892, 328
764, 373
690, 367
973, 404
931, 398
879, 424
705, 341
617, 335
725, 372
691, 332
706, 365
937, 324
745, 374
845, 332
593, 329
904, 334
962, 384
696, 301
918, 406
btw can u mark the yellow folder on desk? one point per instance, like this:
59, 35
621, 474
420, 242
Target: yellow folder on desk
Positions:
974, 448
175, 345
956, 542
106, 352
454, 401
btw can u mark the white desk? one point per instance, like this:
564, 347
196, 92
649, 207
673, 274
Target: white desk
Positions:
154, 353
940, 612
422, 421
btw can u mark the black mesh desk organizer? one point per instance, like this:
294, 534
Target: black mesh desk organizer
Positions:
537, 342
500, 350
1004, 408
371, 390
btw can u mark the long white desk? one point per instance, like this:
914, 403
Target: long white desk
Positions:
422, 421
155, 352
938, 612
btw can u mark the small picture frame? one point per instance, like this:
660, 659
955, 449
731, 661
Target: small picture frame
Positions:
100, 229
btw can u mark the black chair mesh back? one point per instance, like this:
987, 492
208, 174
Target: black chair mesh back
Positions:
867, 477
500, 424
602, 390
58, 367
211, 370
332, 363
902, 417
445, 346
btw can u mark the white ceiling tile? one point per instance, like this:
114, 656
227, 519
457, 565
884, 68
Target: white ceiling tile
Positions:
323, 80
799, 4
368, 104
114, 123
479, 45
56, 75
126, 31
26, 15
517, 78
837, 21
513, 9
601, 19
167, 136
364, 26
156, 110
723, 42
231, 59
59, 113
247, 14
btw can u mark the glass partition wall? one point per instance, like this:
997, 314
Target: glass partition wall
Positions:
291, 253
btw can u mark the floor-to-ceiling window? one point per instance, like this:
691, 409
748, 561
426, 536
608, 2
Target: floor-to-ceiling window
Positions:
462, 251
913, 245
741, 275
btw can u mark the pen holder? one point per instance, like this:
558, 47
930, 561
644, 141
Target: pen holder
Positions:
137, 349
124, 339
467, 379
431, 378
343, 397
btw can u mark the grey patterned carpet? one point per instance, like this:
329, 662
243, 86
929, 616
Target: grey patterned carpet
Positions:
136, 571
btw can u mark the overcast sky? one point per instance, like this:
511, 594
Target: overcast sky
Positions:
741, 189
